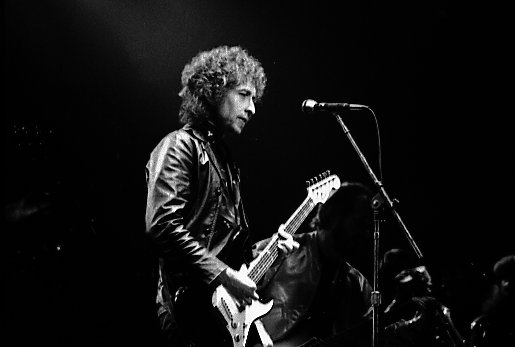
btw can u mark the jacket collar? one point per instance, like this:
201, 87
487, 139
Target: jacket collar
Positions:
207, 132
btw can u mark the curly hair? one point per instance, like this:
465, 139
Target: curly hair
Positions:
210, 74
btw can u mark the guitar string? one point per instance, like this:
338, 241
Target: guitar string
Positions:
269, 258
303, 213
263, 264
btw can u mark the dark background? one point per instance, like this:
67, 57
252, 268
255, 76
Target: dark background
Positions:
90, 87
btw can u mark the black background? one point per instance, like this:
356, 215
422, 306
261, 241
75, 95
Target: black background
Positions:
90, 87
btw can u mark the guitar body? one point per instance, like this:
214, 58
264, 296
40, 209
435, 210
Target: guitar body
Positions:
238, 319
220, 323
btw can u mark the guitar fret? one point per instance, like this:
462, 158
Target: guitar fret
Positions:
270, 253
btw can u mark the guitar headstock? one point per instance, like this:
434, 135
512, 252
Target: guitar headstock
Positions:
320, 188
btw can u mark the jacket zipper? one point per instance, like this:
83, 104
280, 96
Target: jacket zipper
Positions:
217, 211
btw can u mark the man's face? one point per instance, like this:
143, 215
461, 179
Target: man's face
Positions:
237, 108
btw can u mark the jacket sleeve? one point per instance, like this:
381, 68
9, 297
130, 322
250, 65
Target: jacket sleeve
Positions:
170, 192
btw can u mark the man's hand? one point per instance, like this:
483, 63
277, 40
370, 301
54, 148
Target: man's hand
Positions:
239, 285
286, 244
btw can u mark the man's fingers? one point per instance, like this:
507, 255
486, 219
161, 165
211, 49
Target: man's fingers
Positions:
253, 295
287, 244
282, 233
245, 301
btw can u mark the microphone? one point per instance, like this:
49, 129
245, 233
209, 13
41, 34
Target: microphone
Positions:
310, 106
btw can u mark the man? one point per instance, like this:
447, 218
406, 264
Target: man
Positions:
414, 317
318, 296
195, 214
395, 260
496, 326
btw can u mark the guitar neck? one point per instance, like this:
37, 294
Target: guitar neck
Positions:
266, 258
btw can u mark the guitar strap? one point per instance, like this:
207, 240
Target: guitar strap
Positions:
265, 338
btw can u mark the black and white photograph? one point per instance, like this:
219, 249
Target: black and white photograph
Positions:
188, 173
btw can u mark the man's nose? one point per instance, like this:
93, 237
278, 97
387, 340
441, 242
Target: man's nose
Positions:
251, 108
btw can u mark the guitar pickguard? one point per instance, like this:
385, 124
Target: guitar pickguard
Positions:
239, 319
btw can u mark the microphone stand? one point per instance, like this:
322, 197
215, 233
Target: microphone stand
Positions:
378, 201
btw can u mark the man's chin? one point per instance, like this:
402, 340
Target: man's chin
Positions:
236, 130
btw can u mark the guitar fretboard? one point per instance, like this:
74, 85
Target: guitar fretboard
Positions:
266, 258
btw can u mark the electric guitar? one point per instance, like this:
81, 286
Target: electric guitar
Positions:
238, 320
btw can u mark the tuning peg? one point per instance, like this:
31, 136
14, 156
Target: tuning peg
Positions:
307, 184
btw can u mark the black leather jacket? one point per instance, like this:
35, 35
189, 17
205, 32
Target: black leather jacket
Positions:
194, 212
494, 328
420, 321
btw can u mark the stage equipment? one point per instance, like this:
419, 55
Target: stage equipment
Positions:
378, 202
